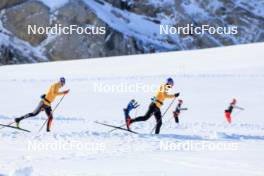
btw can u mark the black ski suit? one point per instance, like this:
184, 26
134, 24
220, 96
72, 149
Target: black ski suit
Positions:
41, 106
153, 109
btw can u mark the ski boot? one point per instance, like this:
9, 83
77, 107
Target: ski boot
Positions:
127, 118
17, 121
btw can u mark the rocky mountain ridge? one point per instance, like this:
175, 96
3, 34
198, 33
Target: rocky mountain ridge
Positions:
132, 27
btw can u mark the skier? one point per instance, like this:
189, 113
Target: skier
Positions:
131, 105
230, 109
178, 110
155, 106
45, 103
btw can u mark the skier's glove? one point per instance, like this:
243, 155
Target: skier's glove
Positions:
177, 94
132, 105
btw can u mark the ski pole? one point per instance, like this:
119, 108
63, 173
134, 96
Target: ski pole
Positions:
116, 128
163, 114
52, 112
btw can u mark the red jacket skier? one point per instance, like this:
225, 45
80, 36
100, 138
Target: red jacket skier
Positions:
230, 109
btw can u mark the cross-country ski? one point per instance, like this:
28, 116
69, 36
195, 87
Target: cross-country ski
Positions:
13, 127
116, 127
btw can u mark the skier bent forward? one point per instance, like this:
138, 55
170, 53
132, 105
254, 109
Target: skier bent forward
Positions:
45, 103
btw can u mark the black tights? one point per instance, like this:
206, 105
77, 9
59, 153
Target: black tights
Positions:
153, 109
41, 106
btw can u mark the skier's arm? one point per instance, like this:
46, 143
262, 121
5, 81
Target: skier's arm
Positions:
237, 107
171, 96
55, 91
59, 93
183, 109
64, 92
136, 106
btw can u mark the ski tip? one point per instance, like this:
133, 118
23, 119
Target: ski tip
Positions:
16, 128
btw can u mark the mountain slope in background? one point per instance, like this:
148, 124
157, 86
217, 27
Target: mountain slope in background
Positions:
132, 27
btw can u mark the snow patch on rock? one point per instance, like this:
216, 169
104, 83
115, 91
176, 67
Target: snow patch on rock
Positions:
54, 4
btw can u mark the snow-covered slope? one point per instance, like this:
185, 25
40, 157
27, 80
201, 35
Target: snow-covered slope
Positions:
222, 61
207, 79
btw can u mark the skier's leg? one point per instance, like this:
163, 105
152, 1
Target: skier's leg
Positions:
32, 114
150, 111
228, 117
176, 117
158, 120
48, 111
127, 118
